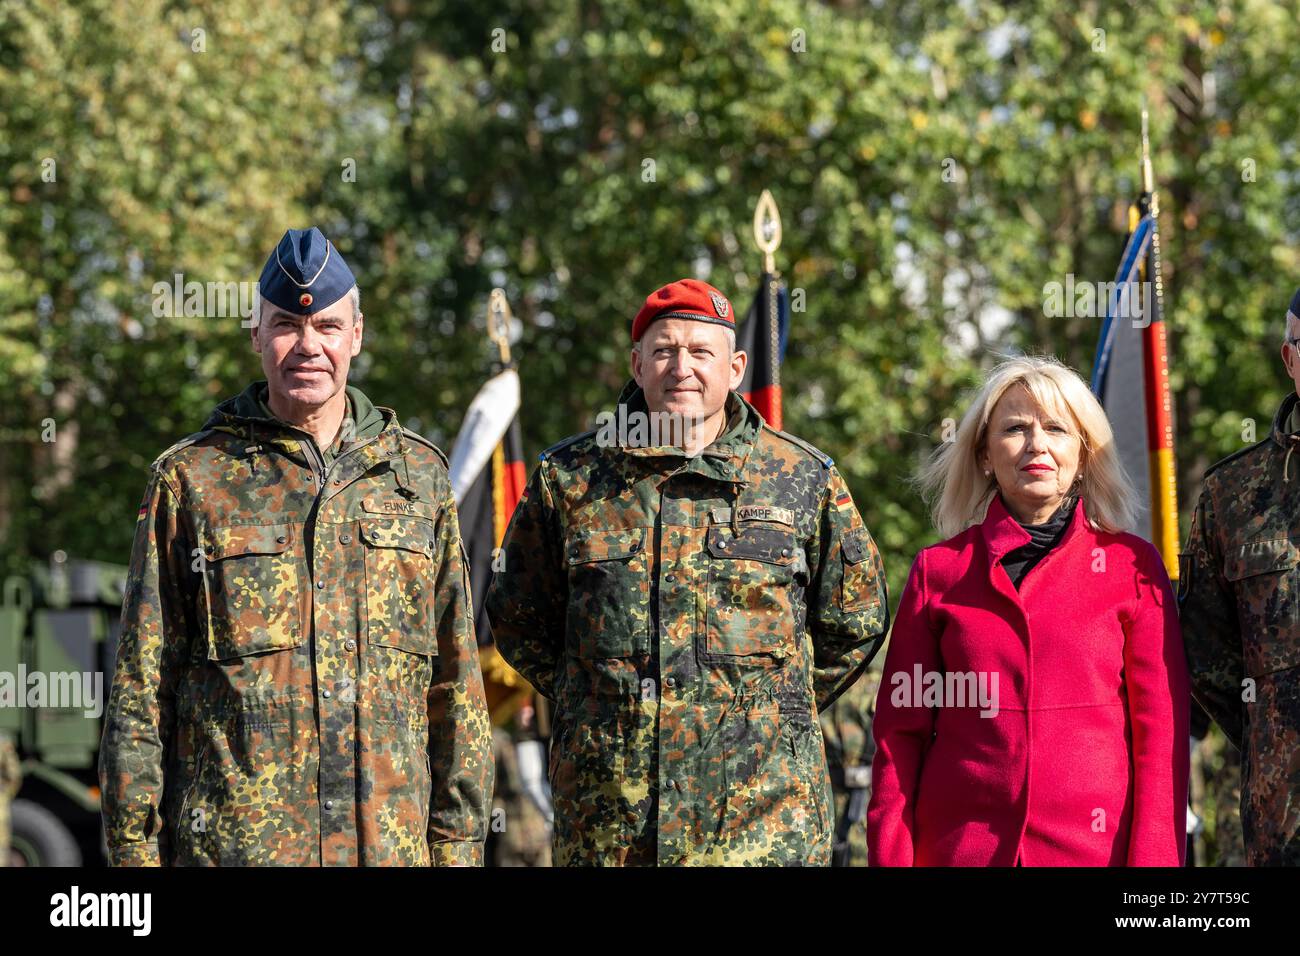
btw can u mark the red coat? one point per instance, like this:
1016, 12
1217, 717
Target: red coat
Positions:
1086, 760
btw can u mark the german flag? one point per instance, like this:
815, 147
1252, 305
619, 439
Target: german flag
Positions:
763, 337
487, 476
1130, 375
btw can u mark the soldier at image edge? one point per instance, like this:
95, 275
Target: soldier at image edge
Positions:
10, 780
1239, 603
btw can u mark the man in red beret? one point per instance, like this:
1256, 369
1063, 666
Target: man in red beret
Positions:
690, 604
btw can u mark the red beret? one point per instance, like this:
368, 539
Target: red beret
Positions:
684, 299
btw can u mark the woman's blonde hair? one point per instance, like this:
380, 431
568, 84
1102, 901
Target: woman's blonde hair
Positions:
953, 481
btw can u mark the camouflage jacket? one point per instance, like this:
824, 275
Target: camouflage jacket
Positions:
297, 680
689, 616
11, 773
1239, 600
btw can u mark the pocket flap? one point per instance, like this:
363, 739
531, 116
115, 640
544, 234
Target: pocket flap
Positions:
248, 539
768, 545
854, 546
406, 533
1261, 557
610, 544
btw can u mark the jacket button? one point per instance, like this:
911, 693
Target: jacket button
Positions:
326, 694
320, 585
281, 539
670, 578
785, 552
722, 543
345, 539
634, 547
350, 645
329, 804
672, 784
669, 682
338, 481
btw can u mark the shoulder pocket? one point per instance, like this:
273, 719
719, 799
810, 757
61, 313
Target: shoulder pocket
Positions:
399, 583
860, 583
252, 589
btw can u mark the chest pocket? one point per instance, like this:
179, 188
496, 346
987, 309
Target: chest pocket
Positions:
750, 611
399, 583
1264, 576
609, 593
251, 583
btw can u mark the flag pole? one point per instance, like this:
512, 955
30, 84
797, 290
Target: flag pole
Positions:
767, 314
1160, 428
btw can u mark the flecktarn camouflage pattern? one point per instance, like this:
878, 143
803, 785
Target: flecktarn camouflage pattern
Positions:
298, 681
1239, 599
689, 615
10, 778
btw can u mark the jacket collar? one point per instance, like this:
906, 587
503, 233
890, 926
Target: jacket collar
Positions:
1002, 533
242, 415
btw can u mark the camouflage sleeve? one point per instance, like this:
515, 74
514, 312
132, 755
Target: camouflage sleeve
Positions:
460, 732
528, 595
1160, 704
903, 733
1211, 633
152, 649
11, 774
848, 606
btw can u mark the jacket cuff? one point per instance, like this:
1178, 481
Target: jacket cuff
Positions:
135, 854
466, 853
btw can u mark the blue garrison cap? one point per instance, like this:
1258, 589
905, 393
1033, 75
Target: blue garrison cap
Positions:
1294, 311
305, 273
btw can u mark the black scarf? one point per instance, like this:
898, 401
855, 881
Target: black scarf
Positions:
1045, 537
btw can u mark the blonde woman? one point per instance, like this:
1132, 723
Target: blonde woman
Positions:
1035, 704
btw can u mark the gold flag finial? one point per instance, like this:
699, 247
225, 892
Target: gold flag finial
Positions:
498, 323
767, 229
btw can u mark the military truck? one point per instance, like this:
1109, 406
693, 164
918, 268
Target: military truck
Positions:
59, 627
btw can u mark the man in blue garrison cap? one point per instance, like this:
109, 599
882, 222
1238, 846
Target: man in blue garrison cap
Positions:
298, 680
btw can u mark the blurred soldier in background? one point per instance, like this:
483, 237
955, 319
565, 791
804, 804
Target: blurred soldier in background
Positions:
519, 832
846, 728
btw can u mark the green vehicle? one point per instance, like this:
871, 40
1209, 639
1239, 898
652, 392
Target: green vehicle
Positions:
59, 627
